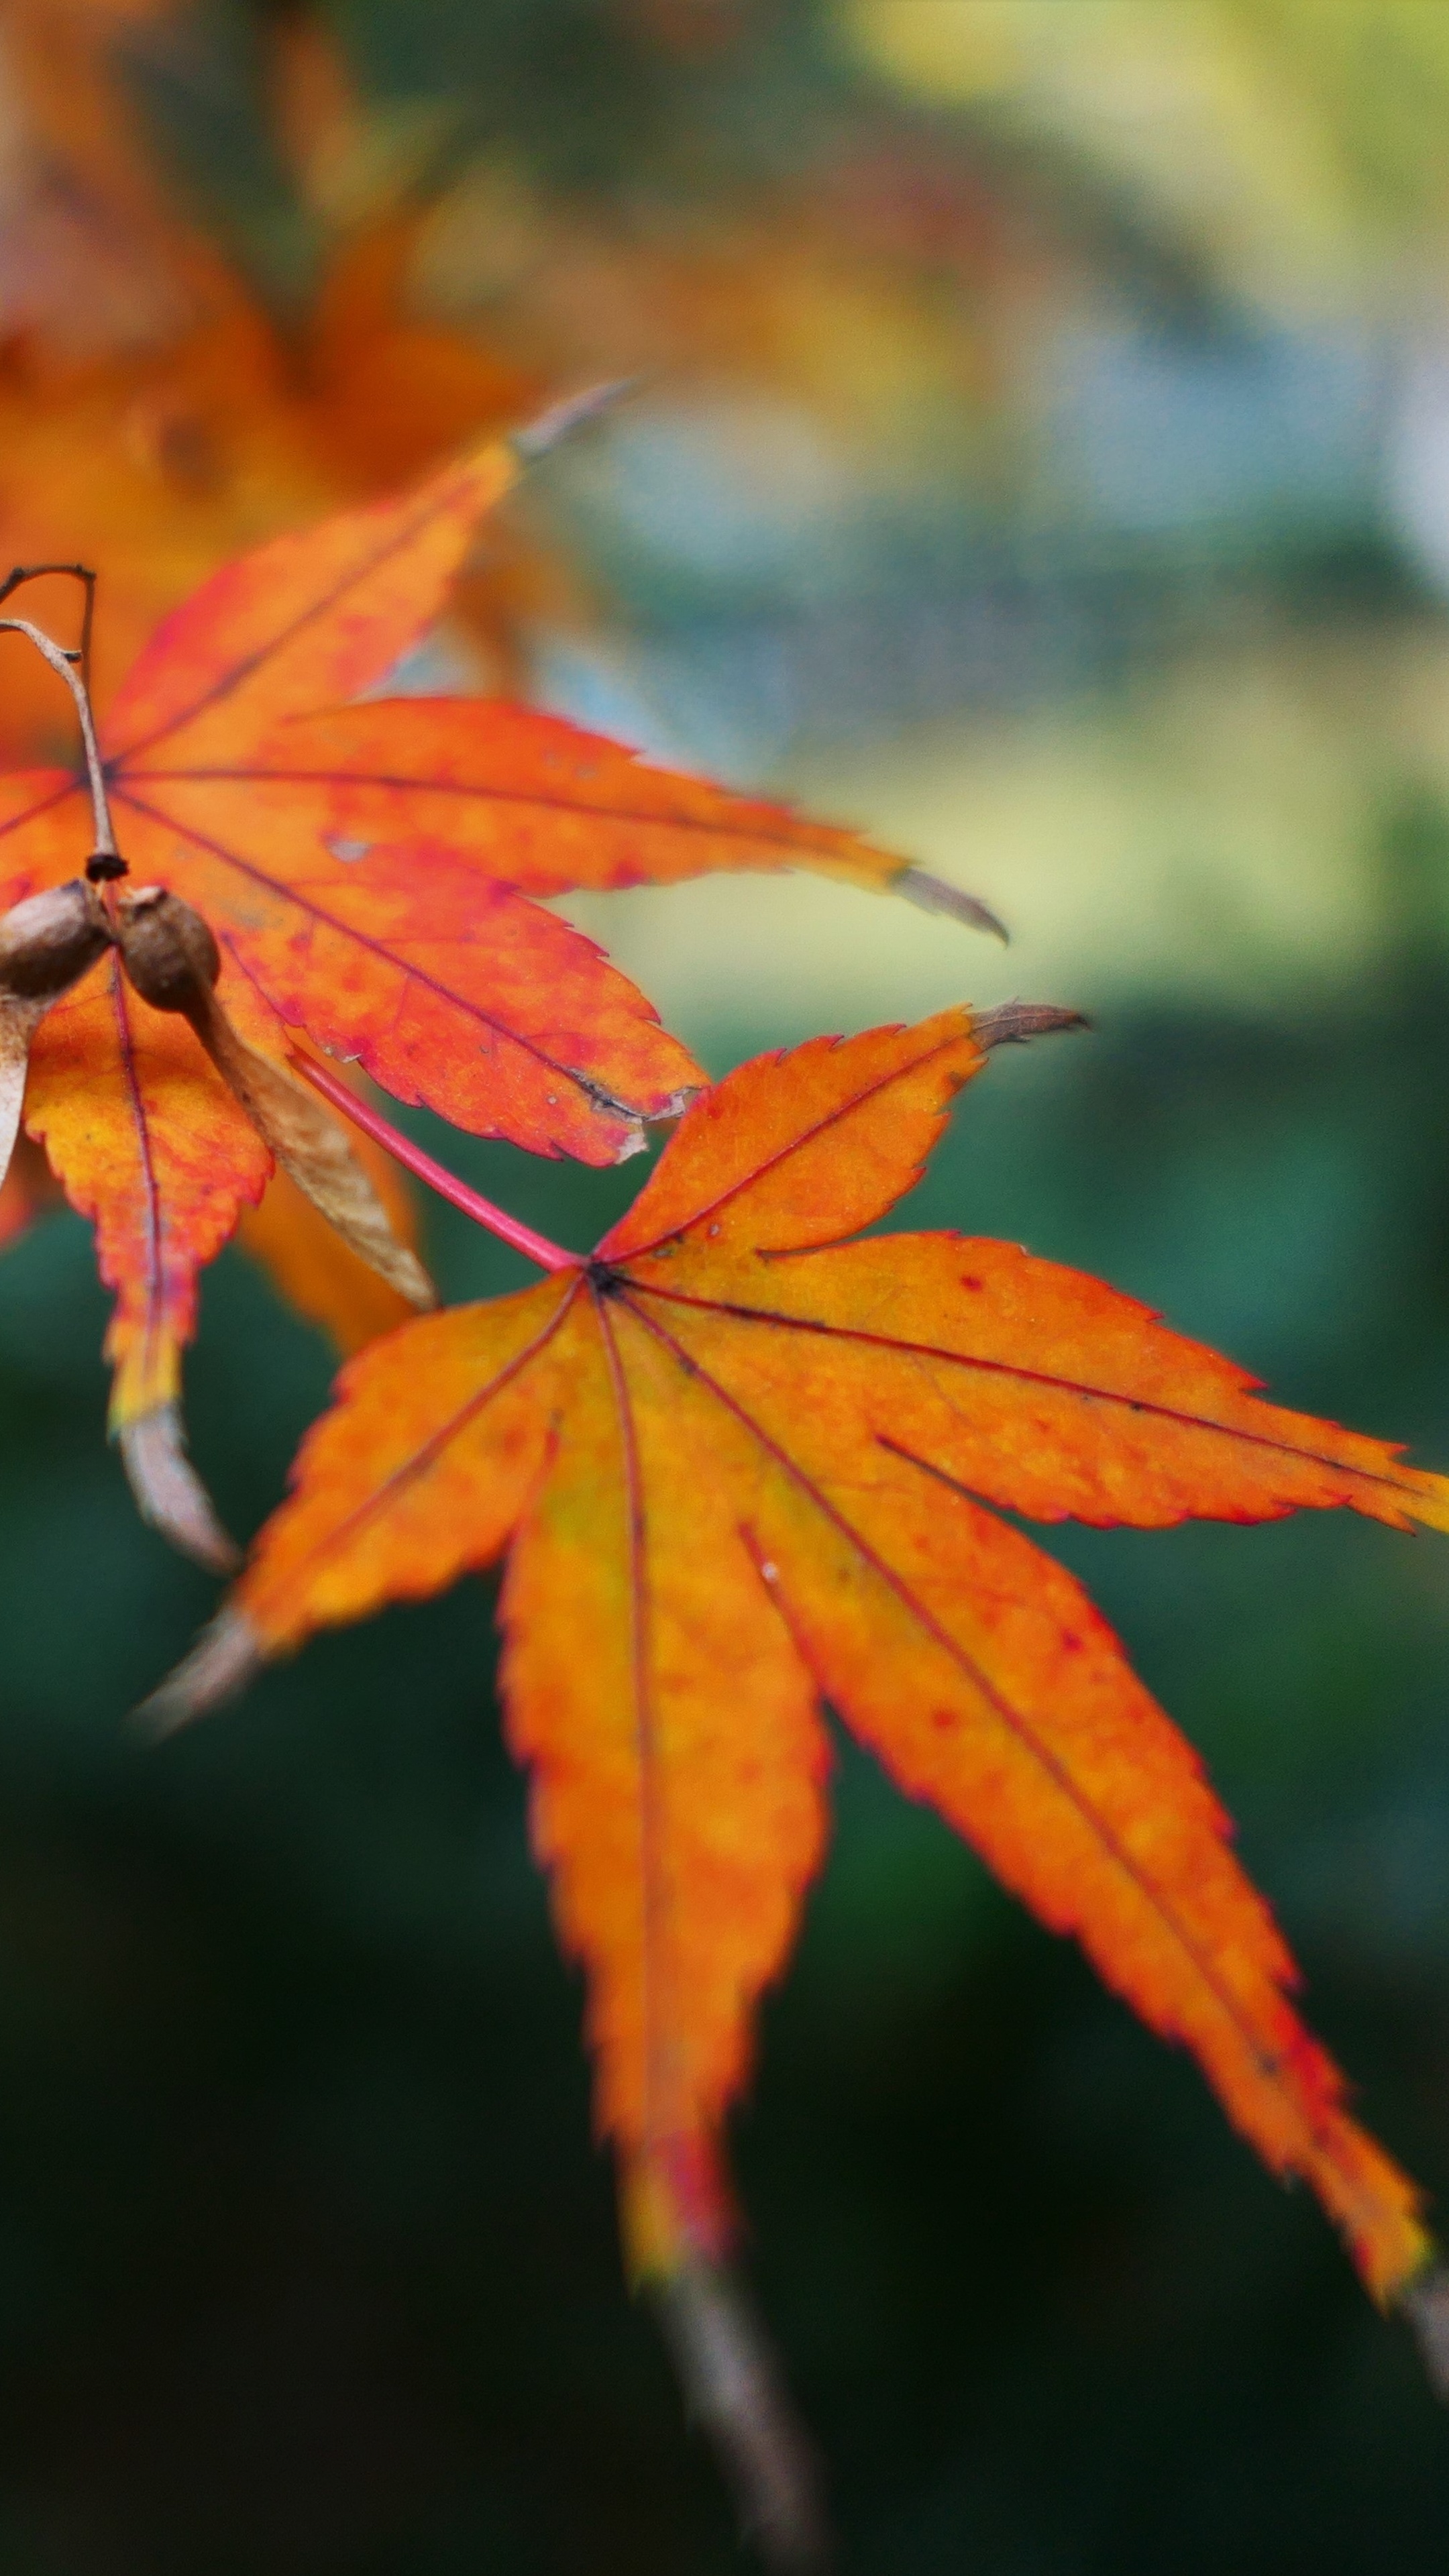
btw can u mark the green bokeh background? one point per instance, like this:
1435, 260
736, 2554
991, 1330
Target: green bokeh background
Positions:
307, 2263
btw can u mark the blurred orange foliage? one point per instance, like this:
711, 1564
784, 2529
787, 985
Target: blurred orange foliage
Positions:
154, 419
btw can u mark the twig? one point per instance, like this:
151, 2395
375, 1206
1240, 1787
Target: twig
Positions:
85, 573
106, 861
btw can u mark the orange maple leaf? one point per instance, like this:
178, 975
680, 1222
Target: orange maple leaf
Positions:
306, 1257
743, 1466
366, 874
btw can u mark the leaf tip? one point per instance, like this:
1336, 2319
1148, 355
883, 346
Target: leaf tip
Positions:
406, 1273
170, 1495
226, 1656
1424, 2305
539, 437
733, 2387
1013, 1023
933, 894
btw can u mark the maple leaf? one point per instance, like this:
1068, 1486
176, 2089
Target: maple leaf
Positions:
365, 873
742, 1465
307, 1259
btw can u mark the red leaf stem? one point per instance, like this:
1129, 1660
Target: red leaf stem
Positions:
509, 1229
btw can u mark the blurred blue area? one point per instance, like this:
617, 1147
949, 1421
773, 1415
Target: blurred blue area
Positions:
1249, 433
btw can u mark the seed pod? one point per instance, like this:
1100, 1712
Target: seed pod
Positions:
46, 944
169, 952
49, 940
173, 961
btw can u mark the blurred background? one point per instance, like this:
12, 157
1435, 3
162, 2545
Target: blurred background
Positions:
1040, 456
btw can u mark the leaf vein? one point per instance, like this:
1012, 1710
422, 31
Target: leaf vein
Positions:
1267, 2061
1013, 1369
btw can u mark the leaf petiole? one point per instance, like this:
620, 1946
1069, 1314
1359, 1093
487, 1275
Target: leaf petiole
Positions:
509, 1229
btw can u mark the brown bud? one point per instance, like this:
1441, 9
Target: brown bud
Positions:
45, 944
168, 951
49, 940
